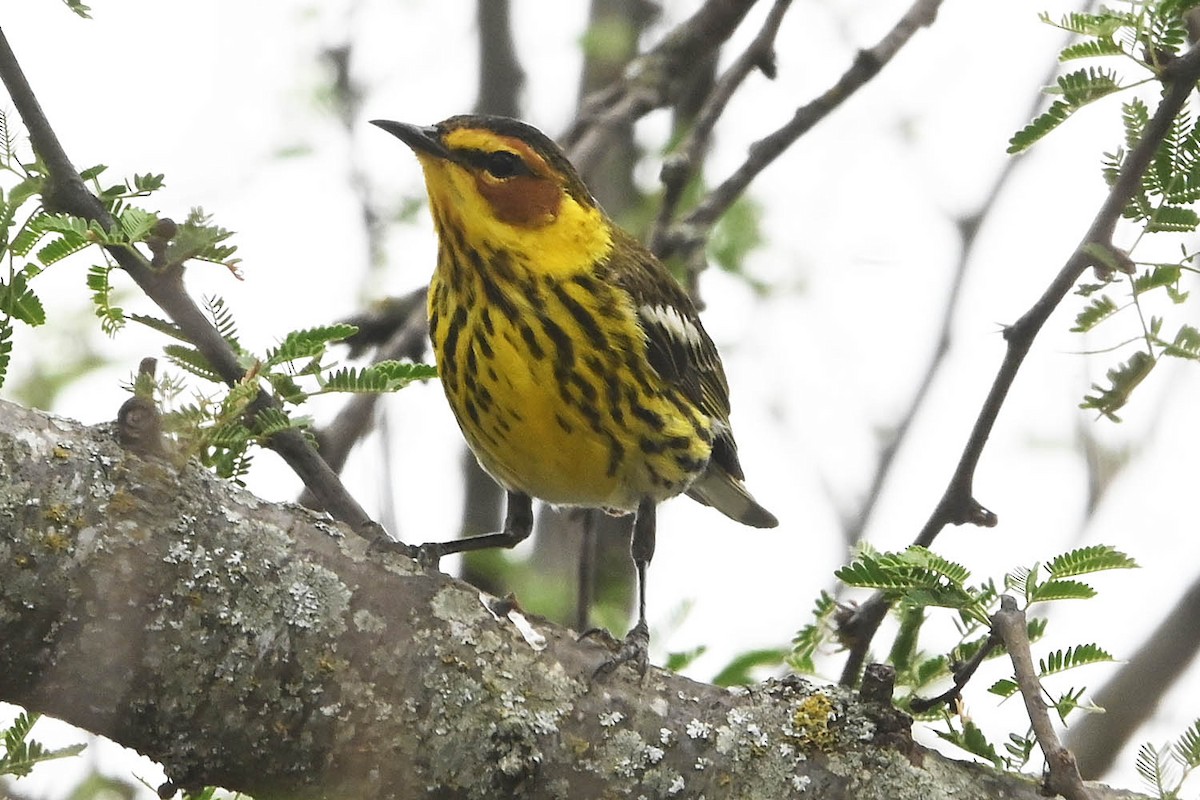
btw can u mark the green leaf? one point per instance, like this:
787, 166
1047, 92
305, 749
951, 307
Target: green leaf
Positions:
1078, 656
20, 756
1067, 702
1101, 25
1173, 219
1135, 116
19, 302
809, 639
198, 238
190, 360
6, 333
972, 740
384, 376
1077, 89
1061, 590
160, 325
222, 320
681, 660
1150, 767
738, 672
308, 343
112, 318
1187, 748
136, 223
1124, 378
930, 670
79, 8
1159, 276
1092, 48
736, 234
24, 241
1041, 125
1005, 687
1100, 309
60, 248
1086, 560
1088, 85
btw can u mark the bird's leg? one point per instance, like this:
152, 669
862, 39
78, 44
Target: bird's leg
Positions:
636, 647
518, 523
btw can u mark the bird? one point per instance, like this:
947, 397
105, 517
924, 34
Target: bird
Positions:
576, 365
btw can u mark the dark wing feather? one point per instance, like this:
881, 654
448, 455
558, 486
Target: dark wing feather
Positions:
677, 346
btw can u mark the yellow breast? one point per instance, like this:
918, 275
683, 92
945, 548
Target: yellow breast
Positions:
548, 378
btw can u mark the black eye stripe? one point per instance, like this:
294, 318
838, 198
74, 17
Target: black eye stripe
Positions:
499, 163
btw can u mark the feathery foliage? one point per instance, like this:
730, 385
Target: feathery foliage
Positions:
1166, 769
920, 584
21, 754
1141, 38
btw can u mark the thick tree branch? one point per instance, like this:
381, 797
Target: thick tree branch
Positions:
66, 192
958, 504
258, 647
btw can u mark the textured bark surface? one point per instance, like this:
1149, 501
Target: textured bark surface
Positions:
260, 647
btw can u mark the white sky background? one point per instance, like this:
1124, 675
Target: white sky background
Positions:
861, 246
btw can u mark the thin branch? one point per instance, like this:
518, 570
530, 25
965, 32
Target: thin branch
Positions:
690, 234
681, 165
66, 192
968, 229
652, 81
958, 504
962, 676
1062, 774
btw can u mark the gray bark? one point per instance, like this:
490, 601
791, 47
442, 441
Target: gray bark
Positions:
264, 648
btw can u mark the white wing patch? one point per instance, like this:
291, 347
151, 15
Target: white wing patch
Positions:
670, 320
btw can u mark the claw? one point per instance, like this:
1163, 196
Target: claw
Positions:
385, 544
428, 555
634, 650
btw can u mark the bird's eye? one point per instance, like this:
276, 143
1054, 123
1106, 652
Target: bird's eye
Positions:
503, 165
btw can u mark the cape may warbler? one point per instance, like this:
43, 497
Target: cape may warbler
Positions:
575, 364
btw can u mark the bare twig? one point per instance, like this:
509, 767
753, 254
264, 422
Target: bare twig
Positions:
962, 676
958, 504
66, 192
1062, 775
968, 230
690, 234
652, 81
682, 164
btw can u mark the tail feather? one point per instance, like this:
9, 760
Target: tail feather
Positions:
727, 494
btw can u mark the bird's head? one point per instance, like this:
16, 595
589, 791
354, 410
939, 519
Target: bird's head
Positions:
505, 184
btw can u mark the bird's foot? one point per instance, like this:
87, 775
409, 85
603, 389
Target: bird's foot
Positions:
634, 650
386, 544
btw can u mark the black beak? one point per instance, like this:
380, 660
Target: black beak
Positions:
422, 139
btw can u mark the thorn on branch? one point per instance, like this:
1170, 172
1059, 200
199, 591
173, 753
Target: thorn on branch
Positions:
767, 65
979, 516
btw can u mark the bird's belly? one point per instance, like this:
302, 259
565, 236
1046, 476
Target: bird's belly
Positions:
565, 430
